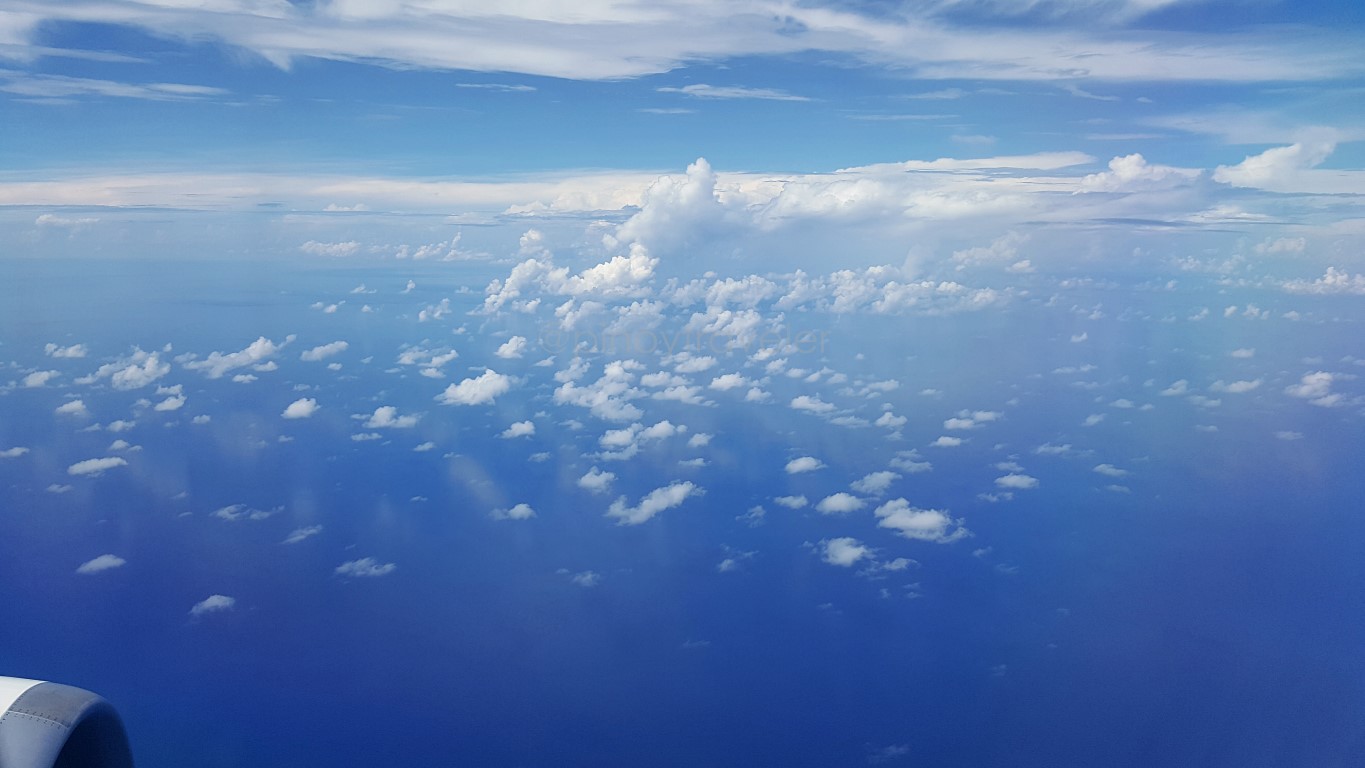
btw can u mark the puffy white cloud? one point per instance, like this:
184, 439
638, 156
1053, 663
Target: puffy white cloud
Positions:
365, 567
518, 512
1315, 388
810, 403
946, 441
13, 453
73, 351
653, 503
1280, 169
596, 480
1333, 281
804, 464
1109, 470
875, 483
608, 397
1133, 173
1016, 481
792, 502
324, 351
336, 250
213, 604
844, 551
513, 348
922, 524
101, 563
301, 408
519, 429
1176, 389
386, 417
95, 466
729, 381
137, 370
480, 390
839, 504
300, 534
172, 403
40, 378
219, 364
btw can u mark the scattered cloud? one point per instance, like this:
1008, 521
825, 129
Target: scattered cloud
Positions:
100, 564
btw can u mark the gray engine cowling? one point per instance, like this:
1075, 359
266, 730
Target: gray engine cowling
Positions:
49, 725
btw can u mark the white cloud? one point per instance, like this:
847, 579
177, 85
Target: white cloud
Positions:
875, 483
13, 453
844, 551
792, 502
137, 370
39, 378
1315, 388
365, 567
513, 348
386, 417
810, 403
596, 480
213, 604
839, 504
324, 351
1109, 470
300, 534
101, 563
302, 408
336, 250
73, 351
922, 524
237, 512
804, 464
519, 429
1133, 173
945, 441
1178, 388
653, 503
1017, 481
586, 578
218, 364
172, 403
518, 512
483, 389
95, 466
1281, 169
704, 91
1333, 281
728, 381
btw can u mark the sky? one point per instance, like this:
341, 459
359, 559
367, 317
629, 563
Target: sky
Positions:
952, 382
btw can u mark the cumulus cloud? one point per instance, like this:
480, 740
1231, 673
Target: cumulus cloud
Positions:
513, 348
1016, 481
172, 403
13, 453
875, 483
387, 417
101, 563
518, 512
73, 351
1333, 281
365, 567
324, 351
519, 429
839, 504
804, 464
653, 503
1133, 173
1316, 388
813, 404
596, 480
1235, 387
95, 466
844, 551
213, 604
39, 378
480, 390
219, 364
946, 441
1280, 169
921, 524
792, 502
302, 408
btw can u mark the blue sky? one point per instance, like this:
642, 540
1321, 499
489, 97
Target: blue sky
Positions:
687, 383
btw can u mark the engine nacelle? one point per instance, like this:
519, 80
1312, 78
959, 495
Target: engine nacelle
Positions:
49, 725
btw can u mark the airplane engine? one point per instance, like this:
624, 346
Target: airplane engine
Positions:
49, 725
